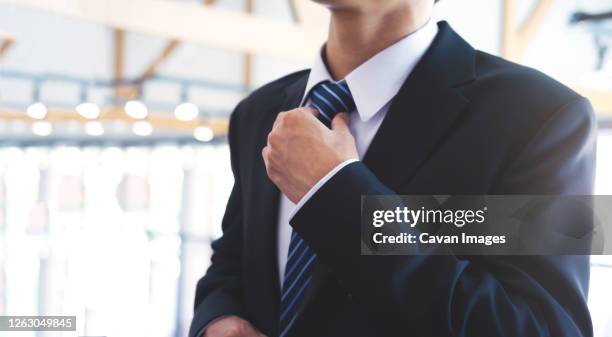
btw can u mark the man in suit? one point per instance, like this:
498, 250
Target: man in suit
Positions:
394, 104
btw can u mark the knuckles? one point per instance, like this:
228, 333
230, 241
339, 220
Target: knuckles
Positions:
274, 138
238, 329
272, 173
289, 118
233, 331
286, 122
267, 154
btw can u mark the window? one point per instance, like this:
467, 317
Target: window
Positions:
82, 229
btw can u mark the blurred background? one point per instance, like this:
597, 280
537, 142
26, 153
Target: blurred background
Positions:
114, 166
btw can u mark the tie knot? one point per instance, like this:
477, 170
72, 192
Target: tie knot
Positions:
330, 99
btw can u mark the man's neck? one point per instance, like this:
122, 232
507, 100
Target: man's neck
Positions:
356, 35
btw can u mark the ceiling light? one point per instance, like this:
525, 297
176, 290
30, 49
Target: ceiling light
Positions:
142, 128
94, 128
42, 128
186, 111
37, 111
88, 110
203, 133
136, 109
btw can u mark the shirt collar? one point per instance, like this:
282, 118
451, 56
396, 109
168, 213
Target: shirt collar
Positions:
375, 82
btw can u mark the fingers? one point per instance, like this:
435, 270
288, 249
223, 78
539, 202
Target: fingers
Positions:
271, 167
311, 110
265, 153
304, 109
278, 119
341, 122
295, 115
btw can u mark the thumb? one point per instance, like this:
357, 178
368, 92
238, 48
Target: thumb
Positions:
341, 122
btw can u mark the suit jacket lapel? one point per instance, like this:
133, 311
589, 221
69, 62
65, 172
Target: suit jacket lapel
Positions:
420, 115
423, 111
261, 227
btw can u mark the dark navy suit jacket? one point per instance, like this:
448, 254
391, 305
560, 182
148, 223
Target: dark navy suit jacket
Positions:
464, 122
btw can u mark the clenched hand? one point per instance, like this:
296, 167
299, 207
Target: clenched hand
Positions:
301, 150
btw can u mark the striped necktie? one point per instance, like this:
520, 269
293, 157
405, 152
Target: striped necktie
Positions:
329, 99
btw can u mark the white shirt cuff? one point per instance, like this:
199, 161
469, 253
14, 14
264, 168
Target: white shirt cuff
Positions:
318, 185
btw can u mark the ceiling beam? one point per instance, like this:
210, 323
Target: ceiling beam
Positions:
247, 78
518, 36
132, 91
194, 23
151, 69
5, 46
294, 10
165, 54
530, 27
6, 42
119, 59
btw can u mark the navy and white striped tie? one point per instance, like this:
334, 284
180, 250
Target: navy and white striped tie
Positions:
329, 99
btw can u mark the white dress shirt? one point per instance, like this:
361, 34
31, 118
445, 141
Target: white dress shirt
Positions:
373, 85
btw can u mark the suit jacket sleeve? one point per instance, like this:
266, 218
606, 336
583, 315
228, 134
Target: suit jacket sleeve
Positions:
466, 296
218, 292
